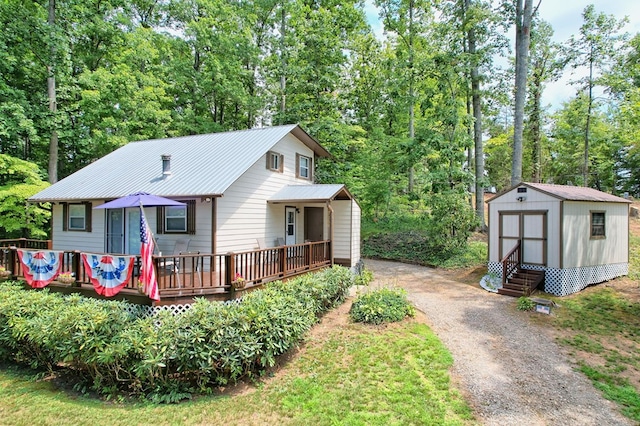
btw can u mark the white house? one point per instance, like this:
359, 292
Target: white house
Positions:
242, 189
578, 236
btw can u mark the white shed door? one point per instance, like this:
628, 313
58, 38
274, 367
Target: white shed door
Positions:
528, 227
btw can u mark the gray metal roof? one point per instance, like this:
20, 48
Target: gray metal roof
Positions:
310, 193
200, 165
569, 193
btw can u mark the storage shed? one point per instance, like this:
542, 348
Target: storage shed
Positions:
578, 236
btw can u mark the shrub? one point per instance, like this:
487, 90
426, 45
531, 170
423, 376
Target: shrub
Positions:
112, 346
381, 306
526, 304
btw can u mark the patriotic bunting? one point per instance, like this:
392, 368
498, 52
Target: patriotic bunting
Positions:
41, 267
108, 274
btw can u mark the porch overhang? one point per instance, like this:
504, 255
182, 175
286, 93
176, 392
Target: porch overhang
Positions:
320, 193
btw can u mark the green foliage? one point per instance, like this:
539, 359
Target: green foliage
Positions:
364, 277
112, 347
381, 306
525, 304
433, 238
19, 180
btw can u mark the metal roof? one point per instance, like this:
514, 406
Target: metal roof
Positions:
200, 165
310, 193
568, 193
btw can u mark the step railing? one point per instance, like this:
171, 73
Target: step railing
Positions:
511, 262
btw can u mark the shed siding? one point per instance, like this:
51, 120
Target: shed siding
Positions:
243, 213
580, 249
535, 201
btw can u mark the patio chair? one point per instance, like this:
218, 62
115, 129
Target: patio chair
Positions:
180, 247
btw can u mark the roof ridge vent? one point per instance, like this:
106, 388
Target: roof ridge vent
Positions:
166, 165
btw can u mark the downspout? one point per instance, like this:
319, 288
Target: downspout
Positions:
330, 209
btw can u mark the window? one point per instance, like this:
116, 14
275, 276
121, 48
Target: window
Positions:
76, 217
304, 167
275, 161
177, 219
597, 225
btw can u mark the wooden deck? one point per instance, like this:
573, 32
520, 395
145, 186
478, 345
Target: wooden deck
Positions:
183, 277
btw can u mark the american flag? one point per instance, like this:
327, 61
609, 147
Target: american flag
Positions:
147, 271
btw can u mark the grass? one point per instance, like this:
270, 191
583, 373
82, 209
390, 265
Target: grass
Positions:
355, 375
602, 328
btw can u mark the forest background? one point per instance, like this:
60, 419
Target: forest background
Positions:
418, 120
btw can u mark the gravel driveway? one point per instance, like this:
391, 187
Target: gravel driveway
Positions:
510, 370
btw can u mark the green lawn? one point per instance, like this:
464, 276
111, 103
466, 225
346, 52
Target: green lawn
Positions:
352, 375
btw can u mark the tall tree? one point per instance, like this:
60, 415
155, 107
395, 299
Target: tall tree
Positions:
595, 49
51, 92
524, 15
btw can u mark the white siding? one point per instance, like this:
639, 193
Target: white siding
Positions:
535, 201
342, 232
580, 249
355, 233
243, 212
76, 240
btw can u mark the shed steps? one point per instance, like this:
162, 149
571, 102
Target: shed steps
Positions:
522, 283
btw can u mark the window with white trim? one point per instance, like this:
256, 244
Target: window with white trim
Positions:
304, 167
275, 161
175, 219
76, 217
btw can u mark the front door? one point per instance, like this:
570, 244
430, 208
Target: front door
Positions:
528, 227
313, 223
290, 226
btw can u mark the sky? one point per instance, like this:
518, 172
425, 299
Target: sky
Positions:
565, 16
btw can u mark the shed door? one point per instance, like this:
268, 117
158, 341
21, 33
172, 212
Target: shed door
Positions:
530, 228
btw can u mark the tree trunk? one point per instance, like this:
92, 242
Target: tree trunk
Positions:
524, 14
476, 103
535, 126
411, 94
51, 92
587, 127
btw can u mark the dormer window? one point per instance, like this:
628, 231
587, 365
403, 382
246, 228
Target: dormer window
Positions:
275, 161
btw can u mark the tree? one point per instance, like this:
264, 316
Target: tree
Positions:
595, 49
524, 14
546, 65
19, 180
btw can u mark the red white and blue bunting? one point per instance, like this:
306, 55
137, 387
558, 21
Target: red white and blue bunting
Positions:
108, 274
40, 267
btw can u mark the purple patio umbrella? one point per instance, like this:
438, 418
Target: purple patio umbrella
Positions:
139, 199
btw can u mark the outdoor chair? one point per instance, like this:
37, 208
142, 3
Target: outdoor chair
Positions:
180, 247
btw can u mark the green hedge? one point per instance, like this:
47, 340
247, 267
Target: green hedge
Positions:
166, 357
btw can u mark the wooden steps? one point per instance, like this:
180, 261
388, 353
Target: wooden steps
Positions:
522, 283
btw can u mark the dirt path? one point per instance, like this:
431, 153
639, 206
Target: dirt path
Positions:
511, 371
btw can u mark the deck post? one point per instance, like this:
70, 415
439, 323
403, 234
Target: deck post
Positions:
229, 268
75, 267
283, 260
11, 261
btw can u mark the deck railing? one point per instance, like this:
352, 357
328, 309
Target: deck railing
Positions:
193, 274
511, 262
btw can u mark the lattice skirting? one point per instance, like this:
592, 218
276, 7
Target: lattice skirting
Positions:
145, 310
562, 282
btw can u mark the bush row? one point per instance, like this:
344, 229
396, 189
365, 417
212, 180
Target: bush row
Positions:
165, 357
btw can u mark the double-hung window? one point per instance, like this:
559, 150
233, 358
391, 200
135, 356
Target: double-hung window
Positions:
598, 225
304, 167
76, 217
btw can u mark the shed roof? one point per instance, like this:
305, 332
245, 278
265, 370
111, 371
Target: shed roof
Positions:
568, 193
200, 165
311, 193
